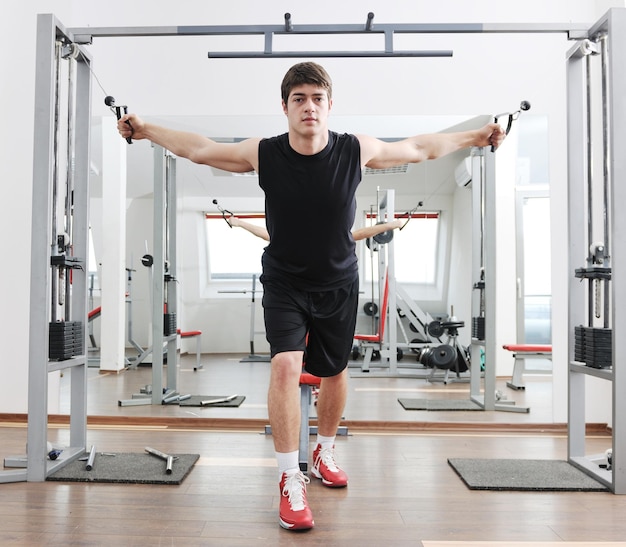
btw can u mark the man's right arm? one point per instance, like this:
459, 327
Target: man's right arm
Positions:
371, 231
238, 157
254, 229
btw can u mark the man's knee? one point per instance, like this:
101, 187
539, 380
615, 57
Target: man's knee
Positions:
286, 367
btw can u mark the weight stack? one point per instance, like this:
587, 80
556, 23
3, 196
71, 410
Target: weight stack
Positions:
478, 328
169, 324
65, 340
593, 346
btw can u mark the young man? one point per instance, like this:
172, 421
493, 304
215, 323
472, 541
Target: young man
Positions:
310, 277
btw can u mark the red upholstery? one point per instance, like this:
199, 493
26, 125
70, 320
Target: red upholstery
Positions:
378, 337
529, 348
307, 379
94, 313
189, 333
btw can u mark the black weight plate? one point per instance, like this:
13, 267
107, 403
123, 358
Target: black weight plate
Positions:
443, 356
435, 329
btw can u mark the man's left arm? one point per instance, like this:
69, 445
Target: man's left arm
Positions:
378, 154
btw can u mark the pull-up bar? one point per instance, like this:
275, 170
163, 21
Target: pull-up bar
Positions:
85, 35
367, 29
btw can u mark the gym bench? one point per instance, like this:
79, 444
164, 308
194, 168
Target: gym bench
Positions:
521, 352
308, 383
373, 342
197, 334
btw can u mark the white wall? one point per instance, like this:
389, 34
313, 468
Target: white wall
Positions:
489, 73
17, 61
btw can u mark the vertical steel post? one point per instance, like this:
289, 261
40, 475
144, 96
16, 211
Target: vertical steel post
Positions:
158, 272
172, 281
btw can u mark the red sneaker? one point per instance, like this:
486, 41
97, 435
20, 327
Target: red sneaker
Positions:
294, 512
325, 468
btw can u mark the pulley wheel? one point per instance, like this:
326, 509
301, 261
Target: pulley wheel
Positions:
383, 237
370, 308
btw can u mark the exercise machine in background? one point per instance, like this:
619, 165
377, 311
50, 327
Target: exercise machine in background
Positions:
382, 350
163, 287
483, 342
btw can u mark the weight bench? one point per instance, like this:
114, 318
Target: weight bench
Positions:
91, 316
521, 352
373, 342
307, 383
197, 334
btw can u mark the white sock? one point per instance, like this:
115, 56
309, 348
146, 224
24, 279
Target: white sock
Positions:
326, 442
287, 463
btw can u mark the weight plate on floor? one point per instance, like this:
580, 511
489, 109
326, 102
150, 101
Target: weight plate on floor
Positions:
424, 356
443, 356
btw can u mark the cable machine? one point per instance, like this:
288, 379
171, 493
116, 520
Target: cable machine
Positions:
483, 342
59, 253
395, 301
597, 246
163, 285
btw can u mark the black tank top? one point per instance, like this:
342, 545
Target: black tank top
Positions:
309, 210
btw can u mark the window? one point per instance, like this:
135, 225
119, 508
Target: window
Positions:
234, 253
415, 250
533, 162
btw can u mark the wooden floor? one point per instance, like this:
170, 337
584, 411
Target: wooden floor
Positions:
402, 490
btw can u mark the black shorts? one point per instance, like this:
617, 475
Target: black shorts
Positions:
328, 317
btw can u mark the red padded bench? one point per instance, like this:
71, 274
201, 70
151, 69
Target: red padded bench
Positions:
373, 341
521, 352
197, 334
94, 313
308, 382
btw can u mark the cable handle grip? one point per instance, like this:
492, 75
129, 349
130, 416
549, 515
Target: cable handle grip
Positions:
224, 213
512, 116
110, 102
508, 127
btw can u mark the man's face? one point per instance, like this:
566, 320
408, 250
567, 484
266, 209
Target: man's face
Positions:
307, 109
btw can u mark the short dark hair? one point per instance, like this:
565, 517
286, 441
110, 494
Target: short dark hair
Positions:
306, 73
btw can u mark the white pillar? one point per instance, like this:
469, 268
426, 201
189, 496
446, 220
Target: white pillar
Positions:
113, 280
